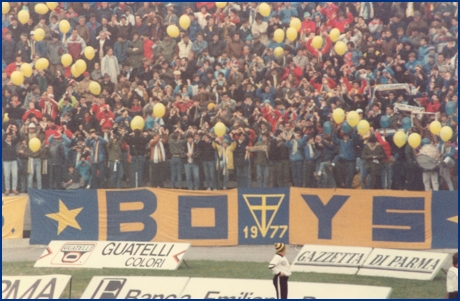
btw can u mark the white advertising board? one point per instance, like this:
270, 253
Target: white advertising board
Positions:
34, 287
113, 254
211, 288
403, 264
146, 287
330, 259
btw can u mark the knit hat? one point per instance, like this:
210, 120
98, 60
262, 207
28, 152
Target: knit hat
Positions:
249, 37
279, 247
57, 135
306, 15
225, 141
32, 126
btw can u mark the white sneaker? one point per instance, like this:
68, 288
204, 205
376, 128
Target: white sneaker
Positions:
87, 187
208, 189
215, 189
319, 173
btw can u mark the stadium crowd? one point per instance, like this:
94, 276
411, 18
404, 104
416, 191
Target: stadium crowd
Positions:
223, 69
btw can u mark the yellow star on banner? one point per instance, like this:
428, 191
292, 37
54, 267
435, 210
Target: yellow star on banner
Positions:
453, 219
65, 217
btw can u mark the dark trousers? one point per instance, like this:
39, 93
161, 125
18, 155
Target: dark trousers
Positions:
158, 174
57, 172
297, 174
308, 174
281, 173
97, 175
350, 166
281, 286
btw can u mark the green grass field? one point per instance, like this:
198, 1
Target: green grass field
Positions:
414, 289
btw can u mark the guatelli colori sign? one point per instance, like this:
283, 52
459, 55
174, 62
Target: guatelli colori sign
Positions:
110, 254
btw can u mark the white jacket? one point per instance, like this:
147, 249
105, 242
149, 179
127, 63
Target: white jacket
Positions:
280, 264
184, 50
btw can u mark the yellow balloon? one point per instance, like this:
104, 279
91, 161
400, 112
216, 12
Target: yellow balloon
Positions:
184, 22
317, 42
220, 129
353, 118
34, 144
95, 88
66, 60
340, 48
17, 78
26, 69
52, 5
137, 123
296, 23
5, 8
41, 8
414, 140
400, 138
291, 34
334, 34
278, 51
23, 16
6, 118
264, 9
80, 66
338, 115
39, 34
74, 71
435, 127
42, 64
64, 26
363, 127
172, 31
221, 4
446, 133
159, 110
279, 35
89, 52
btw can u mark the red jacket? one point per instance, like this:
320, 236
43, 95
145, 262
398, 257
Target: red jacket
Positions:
148, 51
433, 107
308, 26
316, 52
10, 69
318, 86
385, 145
209, 5
273, 118
329, 10
298, 73
351, 89
35, 112
340, 24
106, 115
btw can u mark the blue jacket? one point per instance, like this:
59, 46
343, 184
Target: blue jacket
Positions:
40, 48
270, 95
422, 52
121, 52
198, 48
306, 151
449, 154
413, 64
286, 13
101, 151
298, 155
84, 170
193, 30
93, 32
346, 149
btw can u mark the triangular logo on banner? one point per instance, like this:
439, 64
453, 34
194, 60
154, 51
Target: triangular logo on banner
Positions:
453, 219
261, 205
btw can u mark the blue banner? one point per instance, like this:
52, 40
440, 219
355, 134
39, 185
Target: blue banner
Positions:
263, 216
59, 215
444, 219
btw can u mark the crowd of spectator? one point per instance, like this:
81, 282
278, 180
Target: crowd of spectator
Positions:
223, 69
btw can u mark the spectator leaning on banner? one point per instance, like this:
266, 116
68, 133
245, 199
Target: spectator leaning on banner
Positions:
277, 104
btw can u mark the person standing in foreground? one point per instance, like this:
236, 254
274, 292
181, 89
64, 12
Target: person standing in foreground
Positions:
282, 270
452, 278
